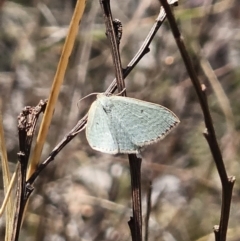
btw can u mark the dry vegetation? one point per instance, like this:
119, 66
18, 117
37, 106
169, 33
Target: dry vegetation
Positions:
85, 195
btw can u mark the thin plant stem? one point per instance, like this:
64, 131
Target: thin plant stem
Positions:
227, 183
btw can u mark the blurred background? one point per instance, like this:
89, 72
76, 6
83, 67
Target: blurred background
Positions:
86, 195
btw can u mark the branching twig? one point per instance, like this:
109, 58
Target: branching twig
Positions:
227, 183
144, 49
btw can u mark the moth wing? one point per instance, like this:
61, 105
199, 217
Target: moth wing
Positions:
98, 130
124, 142
144, 122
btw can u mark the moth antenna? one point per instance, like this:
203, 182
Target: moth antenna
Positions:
120, 93
95, 93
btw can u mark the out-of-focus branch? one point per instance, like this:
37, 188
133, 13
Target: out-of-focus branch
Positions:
227, 183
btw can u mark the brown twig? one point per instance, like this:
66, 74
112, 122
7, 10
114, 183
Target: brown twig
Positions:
114, 46
135, 222
227, 183
135, 163
27, 121
148, 211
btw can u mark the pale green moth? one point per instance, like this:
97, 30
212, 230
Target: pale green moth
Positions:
119, 124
